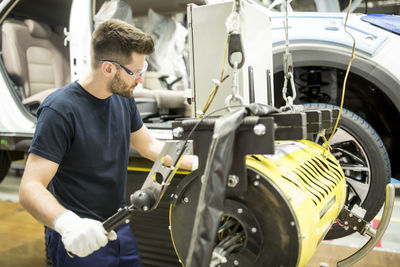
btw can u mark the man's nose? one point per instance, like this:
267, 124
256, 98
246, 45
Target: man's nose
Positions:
139, 79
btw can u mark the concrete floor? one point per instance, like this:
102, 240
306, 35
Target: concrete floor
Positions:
22, 238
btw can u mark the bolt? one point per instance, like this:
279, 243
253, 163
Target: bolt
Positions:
127, 221
233, 180
351, 215
176, 196
172, 195
236, 262
177, 132
346, 223
256, 183
259, 129
145, 208
185, 199
254, 230
355, 228
258, 176
240, 210
359, 220
292, 223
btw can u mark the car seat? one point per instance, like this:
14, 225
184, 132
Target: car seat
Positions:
35, 58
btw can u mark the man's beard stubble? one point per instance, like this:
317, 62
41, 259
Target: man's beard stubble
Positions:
119, 87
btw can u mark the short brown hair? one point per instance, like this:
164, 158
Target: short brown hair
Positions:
116, 40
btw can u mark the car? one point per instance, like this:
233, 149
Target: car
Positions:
45, 45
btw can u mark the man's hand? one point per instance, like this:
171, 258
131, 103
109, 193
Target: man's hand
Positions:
80, 236
190, 162
149, 147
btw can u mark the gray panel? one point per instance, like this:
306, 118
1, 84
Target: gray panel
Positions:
208, 36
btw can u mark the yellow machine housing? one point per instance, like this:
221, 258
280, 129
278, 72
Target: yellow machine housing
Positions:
313, 185
294, 196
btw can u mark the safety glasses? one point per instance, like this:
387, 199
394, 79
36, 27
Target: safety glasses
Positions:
135, 74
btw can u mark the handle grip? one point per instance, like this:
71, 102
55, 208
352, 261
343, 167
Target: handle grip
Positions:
113, 222
117, 219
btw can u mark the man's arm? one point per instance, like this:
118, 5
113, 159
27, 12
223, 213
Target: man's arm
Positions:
33, 193
149, 147
80, 236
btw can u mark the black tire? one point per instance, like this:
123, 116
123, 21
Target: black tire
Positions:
5, 163
372, 152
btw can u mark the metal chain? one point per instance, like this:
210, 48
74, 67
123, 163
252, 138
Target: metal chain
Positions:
235, 97
288, 66
284, 89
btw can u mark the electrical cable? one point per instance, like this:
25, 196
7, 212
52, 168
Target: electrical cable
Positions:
231, 249
172, 237
224, 240
225, 226
231, 241
344, 81
341, 225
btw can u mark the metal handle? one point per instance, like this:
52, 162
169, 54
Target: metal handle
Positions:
387, 214
118, 218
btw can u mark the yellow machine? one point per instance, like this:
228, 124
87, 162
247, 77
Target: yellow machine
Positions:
313, 185
293, 198
253, 201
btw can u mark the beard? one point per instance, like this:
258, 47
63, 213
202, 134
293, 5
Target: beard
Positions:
119, 87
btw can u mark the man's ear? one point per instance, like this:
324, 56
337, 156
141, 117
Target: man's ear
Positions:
108, 69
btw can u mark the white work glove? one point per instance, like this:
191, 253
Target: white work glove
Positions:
80, 236
195, 163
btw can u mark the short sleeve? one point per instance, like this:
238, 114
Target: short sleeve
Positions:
136, 120
53, 135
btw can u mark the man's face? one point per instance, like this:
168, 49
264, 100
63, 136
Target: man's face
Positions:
120, 87
123, 83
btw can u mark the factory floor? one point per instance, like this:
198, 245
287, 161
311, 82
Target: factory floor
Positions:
22, 238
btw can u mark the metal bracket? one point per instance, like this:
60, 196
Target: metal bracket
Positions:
352, 220
155, 185
160, 176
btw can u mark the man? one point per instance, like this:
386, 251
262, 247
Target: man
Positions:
80, 152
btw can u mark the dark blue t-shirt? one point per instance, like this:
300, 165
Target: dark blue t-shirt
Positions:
89, 138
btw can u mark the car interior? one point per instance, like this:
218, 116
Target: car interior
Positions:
36, 58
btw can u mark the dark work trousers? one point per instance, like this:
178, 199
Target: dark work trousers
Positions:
121, 252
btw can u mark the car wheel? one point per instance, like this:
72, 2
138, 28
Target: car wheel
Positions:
5, 163
365, 163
